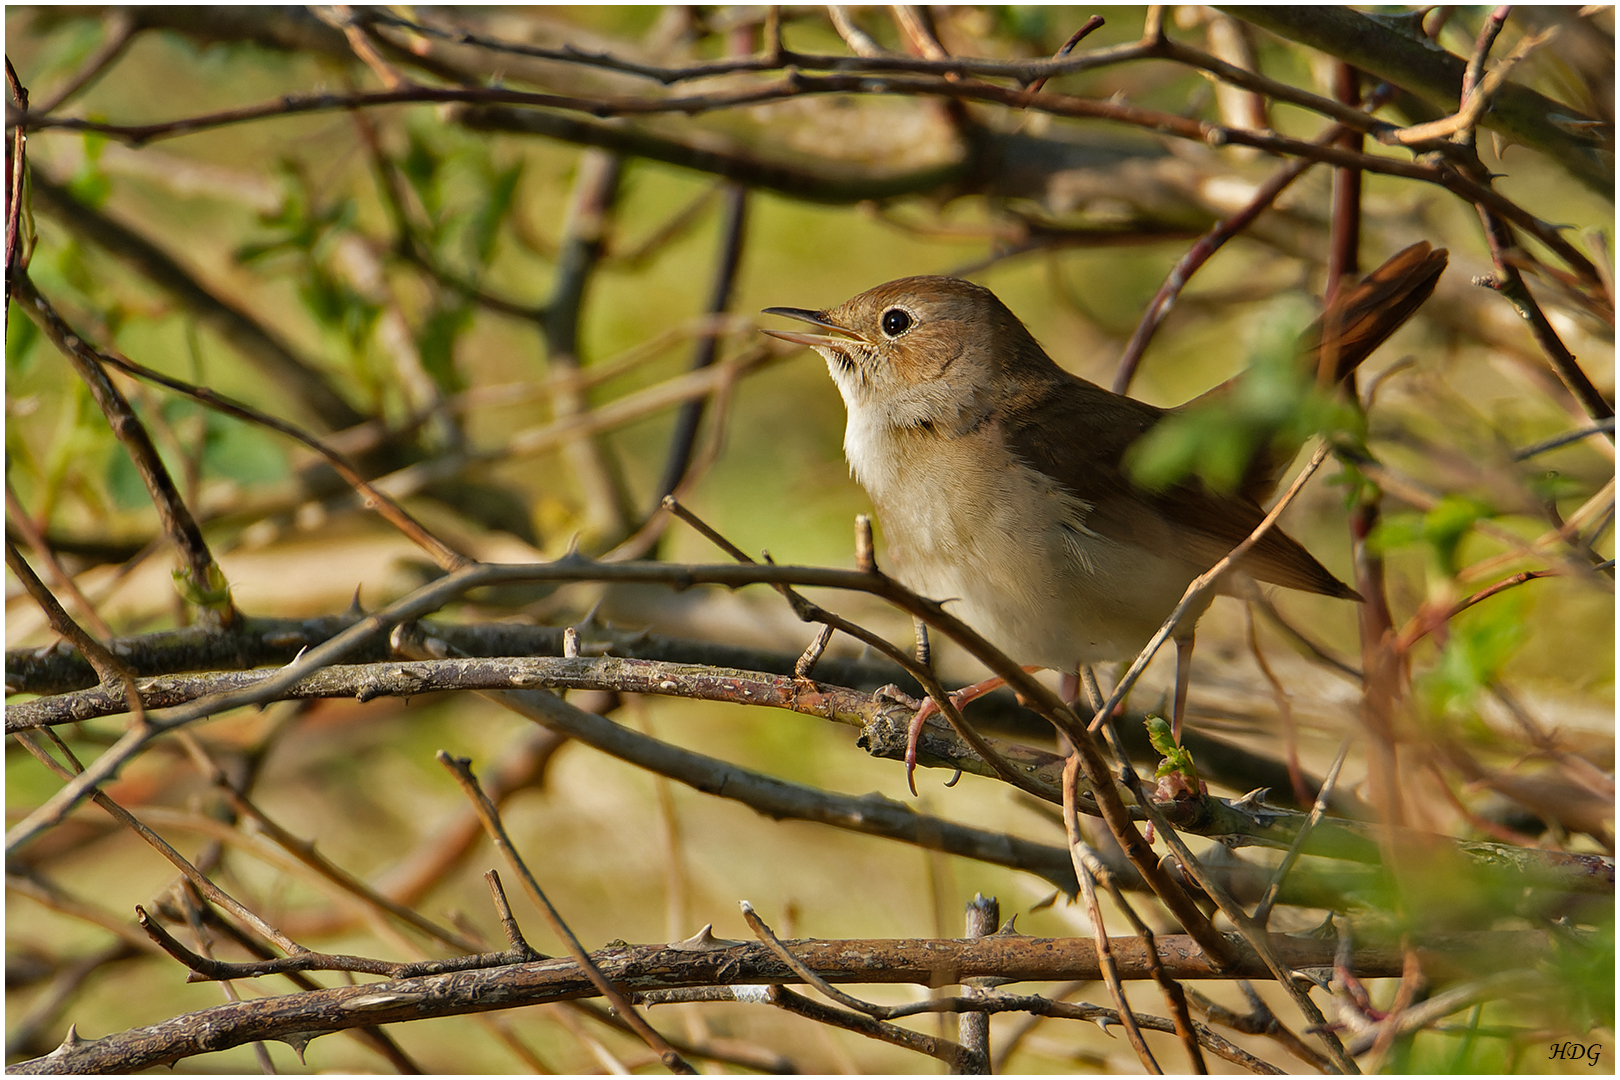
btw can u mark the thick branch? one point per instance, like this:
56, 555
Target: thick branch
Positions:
1436, 76
658, 967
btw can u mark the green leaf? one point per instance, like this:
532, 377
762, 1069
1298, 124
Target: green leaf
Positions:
89, 184
70, 263
421, 166
436, 343
1276, 401
1025, 22
1478, 645
20, 342
338, 307
215, 593
1447, 523
123, 481
1176, 758
1582, 972
242, 452
1396, 531
1443, 528
484, 228
1551, 485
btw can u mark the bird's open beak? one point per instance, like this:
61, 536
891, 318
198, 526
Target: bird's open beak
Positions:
814, 318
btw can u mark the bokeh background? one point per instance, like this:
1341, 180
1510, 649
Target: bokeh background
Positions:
297, 221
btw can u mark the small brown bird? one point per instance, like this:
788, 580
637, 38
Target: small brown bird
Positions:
1001, 481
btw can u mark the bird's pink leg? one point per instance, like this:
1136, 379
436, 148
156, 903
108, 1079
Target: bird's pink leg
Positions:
1184, 648
959, 698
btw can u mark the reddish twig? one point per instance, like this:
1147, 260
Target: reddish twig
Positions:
1205, 248
1086, 29
1427, 621
16, 174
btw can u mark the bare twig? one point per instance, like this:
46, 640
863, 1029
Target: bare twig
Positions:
590, 214
1262, 911
1510, 283
199, 880
1477, 91
1260, 1020
763, 931
369, 1035
305, 852
796, 84
207, 583
1201, 584
204, 967
1427, 621
120, 30
1418, 1016
781, 799
16, 178
872, 1028
1602, 427
919, 670
563, 430
973, 1029
105, 664
1174, 995
1275, 828
856, 38
1091, 25
396, 515
1105, 956
460, 769
341, 17
573, 568
732, 236
1285, 710
25, 1032
650, 968
1253, 933
1207, 245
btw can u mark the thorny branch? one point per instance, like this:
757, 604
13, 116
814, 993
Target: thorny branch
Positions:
796, 84
491, 817
376, 37
640, 969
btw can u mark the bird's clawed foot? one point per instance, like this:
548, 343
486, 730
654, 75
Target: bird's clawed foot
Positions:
960, 698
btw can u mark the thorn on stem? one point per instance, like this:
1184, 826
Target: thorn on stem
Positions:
865, 559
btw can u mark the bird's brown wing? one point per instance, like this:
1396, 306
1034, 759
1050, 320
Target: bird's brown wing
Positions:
1358, 321
1077, 434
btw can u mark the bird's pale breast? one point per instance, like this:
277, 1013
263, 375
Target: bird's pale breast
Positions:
969, 524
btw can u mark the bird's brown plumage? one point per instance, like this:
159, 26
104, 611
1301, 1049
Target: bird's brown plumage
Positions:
1001, 481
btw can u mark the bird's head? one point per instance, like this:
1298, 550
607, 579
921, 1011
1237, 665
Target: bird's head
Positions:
920, 350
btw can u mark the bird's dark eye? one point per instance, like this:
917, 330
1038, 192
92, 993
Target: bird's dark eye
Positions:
896, 321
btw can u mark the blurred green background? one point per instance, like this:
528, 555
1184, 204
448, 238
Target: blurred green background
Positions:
285, 219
